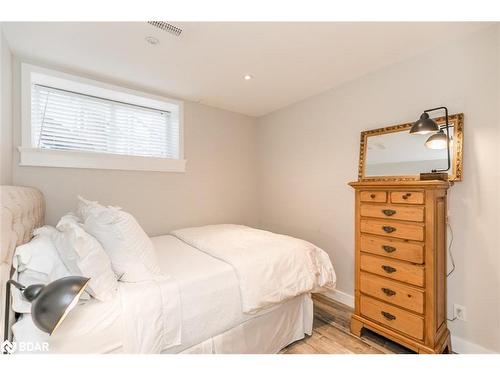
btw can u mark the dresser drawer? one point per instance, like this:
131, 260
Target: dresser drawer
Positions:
408, 197
397, 249
407, 213
393, 292
373, 196
394, 269
393, 317
405, 231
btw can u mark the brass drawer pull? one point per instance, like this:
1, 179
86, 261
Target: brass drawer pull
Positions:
388, 292
388, 316
388, 269
388, 249
389, 212
407, 195
388, 229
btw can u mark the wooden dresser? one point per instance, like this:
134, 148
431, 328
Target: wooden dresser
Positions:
400, 289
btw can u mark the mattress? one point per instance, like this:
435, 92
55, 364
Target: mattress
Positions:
210, 300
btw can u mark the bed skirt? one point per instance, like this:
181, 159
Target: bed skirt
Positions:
264, 334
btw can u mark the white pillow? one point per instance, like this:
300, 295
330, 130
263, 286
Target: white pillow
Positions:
40, 255
131, 251
84, 256
36, 262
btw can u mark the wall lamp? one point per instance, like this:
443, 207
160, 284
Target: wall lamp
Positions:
426, 125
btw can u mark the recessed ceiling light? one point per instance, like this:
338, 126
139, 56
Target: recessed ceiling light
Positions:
247, 77
152, 40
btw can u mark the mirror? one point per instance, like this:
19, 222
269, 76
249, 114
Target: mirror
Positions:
392, 153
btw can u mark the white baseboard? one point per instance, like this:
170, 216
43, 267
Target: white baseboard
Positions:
462, 346
458, 344
341, 297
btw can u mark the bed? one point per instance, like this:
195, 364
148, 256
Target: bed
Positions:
212, 317
22, 210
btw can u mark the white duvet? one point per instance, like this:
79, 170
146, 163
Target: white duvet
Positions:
270, 267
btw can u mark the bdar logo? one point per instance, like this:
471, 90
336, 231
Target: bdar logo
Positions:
8, 347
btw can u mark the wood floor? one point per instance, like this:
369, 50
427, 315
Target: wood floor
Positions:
331, 334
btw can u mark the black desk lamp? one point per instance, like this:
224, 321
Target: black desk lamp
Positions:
426, 125
50, 303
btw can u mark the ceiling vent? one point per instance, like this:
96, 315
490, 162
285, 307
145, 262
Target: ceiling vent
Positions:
165, 26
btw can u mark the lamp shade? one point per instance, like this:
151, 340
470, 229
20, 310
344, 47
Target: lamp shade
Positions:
437, 141
424, 125
52, 302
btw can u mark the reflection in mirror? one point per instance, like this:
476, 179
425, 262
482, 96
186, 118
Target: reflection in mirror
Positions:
402, 154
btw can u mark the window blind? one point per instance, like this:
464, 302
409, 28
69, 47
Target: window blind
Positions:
65, 120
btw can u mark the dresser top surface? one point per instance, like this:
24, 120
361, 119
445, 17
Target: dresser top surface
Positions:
433, 184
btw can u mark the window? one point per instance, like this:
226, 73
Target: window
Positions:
73, 122
64, 120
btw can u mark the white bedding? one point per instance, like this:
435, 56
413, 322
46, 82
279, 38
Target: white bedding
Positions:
152, 315
209, 305
143, 318
271, 268
209, 299
209, 291
92, 327
212, 317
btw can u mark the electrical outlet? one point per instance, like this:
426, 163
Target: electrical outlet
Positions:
459, 312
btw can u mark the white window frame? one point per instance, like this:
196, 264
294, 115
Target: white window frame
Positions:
34, 156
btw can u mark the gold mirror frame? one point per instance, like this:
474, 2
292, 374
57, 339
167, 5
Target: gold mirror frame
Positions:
456, 158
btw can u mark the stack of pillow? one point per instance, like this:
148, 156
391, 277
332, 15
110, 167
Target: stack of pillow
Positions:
102, 243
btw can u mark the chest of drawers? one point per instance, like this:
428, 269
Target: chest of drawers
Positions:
400, 263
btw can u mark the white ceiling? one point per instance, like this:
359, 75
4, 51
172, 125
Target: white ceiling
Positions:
289, 61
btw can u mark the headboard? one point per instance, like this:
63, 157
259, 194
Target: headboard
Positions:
22, 210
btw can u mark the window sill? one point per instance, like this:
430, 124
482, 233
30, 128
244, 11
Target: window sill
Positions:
36, 157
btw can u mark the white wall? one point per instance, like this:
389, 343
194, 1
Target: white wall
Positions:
308, 152
218, 186
5, 112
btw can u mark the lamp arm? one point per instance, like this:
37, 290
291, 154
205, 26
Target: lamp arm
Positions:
447, 139
19, 286
437, 108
